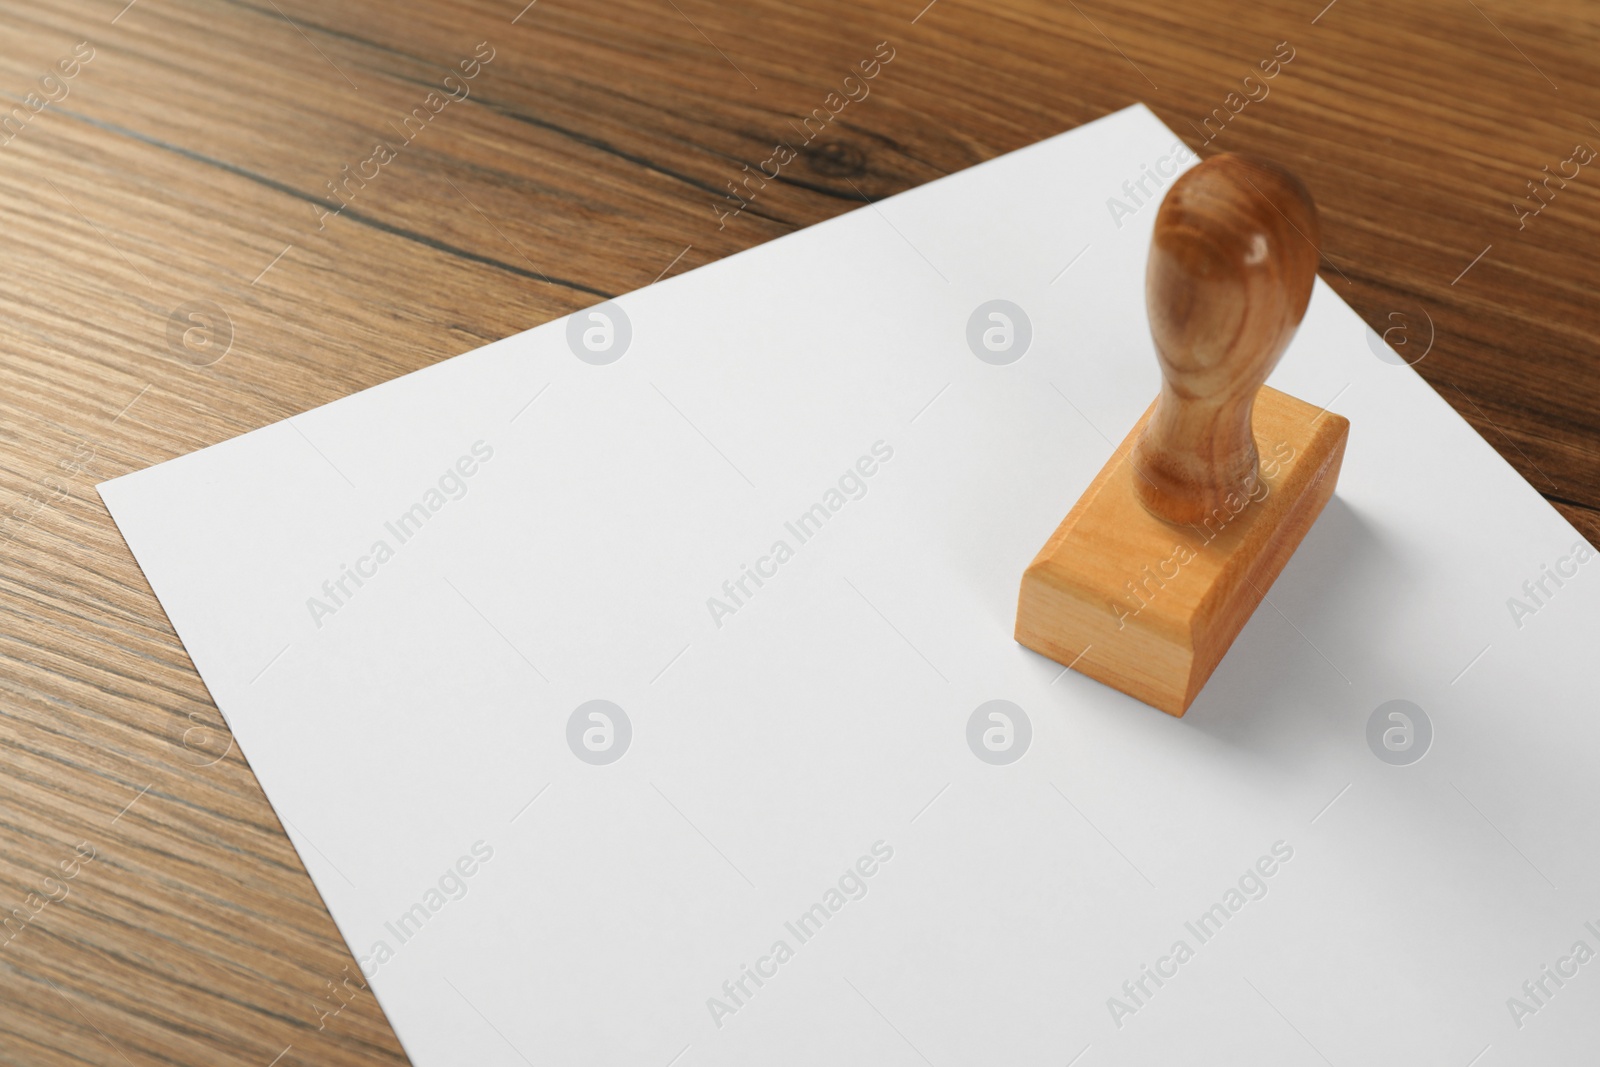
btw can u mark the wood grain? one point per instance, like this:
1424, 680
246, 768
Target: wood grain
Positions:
1232, 262
1158, 566
1150, 607
186, 166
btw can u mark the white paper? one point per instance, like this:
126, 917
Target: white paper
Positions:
419, 717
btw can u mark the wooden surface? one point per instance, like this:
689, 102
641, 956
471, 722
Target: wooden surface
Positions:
186, 167
1150, 607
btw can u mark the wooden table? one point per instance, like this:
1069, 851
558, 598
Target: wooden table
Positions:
174, 274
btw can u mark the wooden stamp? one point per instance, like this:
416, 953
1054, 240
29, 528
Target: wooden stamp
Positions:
1156, 569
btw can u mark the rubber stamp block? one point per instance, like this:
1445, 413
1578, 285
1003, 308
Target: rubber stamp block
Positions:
1156, 569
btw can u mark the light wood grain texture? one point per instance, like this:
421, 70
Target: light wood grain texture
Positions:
1150, 607
188, 160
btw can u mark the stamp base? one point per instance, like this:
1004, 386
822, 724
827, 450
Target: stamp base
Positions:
1150, 607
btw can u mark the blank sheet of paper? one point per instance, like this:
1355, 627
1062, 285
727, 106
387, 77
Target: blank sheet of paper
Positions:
640, 688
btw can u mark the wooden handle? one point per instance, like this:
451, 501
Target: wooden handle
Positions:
1231, 268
